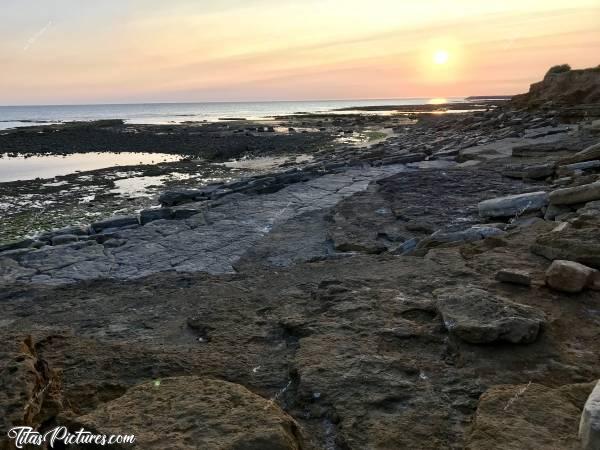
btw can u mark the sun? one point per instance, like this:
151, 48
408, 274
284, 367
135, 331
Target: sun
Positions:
441, 57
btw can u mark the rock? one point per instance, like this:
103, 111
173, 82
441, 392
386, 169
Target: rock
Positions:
524, 222
568, 169
577, 194
539, 149
565, 88
195, 412
15, 245
527, 416
184, 213
589, 427
150, 215
64, 239
479, 317
514, 276
73, 230
10, 270
29, 388
176, 197
588, 154
555, 210
407, 247
572, 244
404, 159
569, 276
472, 234
535, 172
419, 226
114, 222
114, 243
513, 205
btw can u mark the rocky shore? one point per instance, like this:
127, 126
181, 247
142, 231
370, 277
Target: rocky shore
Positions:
438, 288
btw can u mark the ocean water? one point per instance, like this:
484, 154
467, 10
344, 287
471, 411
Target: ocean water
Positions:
162, 113
14, 168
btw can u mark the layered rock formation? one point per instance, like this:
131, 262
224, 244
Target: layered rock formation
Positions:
563, 87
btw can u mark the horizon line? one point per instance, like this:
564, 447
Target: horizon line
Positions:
248, 101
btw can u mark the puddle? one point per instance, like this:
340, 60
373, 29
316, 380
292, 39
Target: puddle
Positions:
137, 186
13, 168
266, 162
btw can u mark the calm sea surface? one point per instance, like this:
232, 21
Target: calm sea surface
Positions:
160, 113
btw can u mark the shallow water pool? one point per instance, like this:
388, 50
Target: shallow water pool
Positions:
13, 168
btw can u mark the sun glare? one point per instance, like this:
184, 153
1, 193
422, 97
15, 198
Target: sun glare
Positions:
441, 57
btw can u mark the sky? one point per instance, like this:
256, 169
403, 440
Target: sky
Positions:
129, 51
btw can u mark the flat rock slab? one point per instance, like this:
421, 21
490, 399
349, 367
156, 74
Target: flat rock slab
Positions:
194, 412
210, 242
589, 427
504, 147
572, 244
513, 205
577, 194
480, 317
588, 154
514, 276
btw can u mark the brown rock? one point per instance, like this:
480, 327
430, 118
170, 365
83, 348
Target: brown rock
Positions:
572, 244
514, 276
195, 412
29, 389
568, 276
479, 317
528, 416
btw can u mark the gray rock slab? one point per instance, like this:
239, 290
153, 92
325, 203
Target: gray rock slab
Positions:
576, 194
513, 205
480, 317
209, 242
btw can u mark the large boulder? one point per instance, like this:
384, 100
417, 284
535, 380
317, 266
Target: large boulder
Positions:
589, 427
513, 205
572, 244
195, 412
576, 194
480, 317
569, 276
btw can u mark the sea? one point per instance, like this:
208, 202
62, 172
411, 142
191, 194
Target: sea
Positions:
164, 113
17, 167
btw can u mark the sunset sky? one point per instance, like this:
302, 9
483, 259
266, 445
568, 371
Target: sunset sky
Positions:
118, 51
